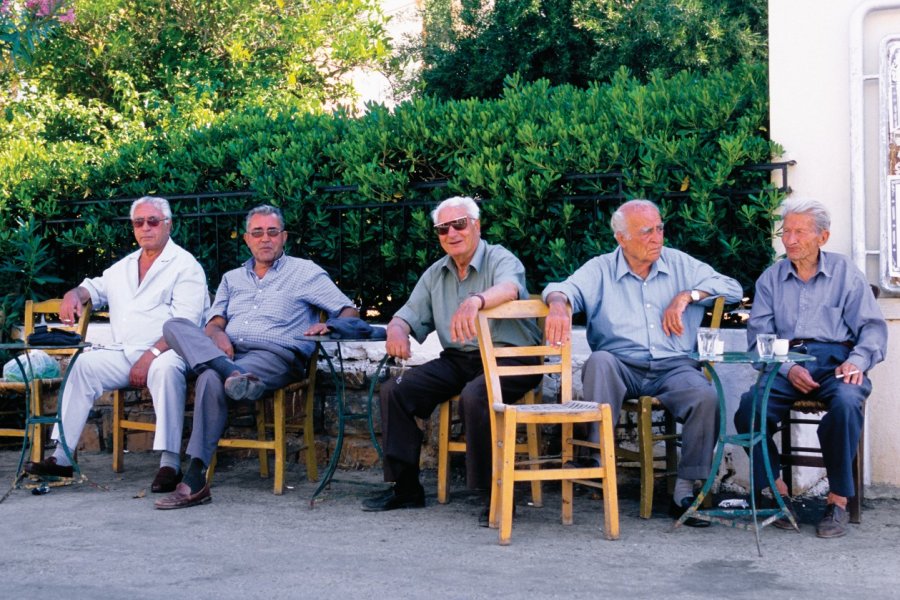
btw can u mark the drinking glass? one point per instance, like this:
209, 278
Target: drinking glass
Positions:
706, 342
765, 345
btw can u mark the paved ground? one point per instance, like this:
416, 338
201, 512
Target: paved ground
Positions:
105, 540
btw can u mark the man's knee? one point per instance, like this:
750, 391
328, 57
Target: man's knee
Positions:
599, 362
743, 413
173, 326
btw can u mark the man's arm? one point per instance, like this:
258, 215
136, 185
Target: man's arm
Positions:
397, 344
72, 305
558, 324
322, 328
137, 377
462, 324
215, 330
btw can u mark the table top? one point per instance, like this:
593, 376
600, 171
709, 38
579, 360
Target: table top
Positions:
753, 357
328, 338
25, 346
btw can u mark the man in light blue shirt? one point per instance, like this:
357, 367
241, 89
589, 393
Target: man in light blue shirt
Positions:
824, 305
644, 303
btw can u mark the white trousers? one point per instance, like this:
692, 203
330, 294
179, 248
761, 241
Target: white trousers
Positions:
103, 369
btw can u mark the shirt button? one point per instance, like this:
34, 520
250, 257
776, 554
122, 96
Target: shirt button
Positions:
651, 326
255, 307
648, 306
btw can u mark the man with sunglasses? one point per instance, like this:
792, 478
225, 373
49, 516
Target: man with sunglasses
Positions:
249, 345
644, 303
155, 283
822, 303
472, 276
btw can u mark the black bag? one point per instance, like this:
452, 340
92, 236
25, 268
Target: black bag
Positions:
354, 328
47, 336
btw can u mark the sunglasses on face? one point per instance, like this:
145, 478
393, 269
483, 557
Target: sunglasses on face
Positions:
271, 232
138, 222
457, 224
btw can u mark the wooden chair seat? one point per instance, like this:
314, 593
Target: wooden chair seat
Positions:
505, 419
809, 456
267, 420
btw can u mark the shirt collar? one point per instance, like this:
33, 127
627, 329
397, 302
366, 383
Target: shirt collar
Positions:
622, 268
824, 267
477, 259
250, 264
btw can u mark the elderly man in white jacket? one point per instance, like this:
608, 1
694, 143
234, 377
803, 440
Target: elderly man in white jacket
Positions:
145, 289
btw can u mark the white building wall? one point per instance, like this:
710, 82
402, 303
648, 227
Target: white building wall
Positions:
809, 78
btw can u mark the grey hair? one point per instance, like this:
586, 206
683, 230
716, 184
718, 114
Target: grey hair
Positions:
160, 203
264, 209
465, 201
617, 221
807, 206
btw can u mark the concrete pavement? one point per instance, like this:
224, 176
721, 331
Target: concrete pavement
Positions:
105, 540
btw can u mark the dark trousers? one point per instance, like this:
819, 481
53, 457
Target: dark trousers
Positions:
839, 429
418, 391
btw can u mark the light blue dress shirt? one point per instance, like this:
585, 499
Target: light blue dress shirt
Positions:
835, 305
625, 312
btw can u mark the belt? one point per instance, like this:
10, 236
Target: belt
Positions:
803, 341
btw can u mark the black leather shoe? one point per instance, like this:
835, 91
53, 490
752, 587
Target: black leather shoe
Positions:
784, 522
395, 499
49, 468
676, 511
834, 522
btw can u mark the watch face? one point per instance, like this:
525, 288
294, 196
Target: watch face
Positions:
695, 296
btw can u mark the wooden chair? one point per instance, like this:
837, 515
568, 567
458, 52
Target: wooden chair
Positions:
273, 420
447, 444
809, 456
643, 409
34, 311
506, 417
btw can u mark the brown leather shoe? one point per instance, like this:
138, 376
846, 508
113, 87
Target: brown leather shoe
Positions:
183, 498
48, 468
165, 481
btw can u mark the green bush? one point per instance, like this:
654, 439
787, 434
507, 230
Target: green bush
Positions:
680, 140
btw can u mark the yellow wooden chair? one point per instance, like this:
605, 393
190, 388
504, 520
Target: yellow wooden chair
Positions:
643, 408
506, 417
34, 312
273, 420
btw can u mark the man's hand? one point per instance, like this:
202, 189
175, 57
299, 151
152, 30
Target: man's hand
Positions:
558, 324
802, 380
397, 344
71, 307
462, 324
223, 342
849, 373
316, 329
671, 321
137, 377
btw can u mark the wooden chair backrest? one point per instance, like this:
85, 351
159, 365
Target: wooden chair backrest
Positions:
521, 309
50, 308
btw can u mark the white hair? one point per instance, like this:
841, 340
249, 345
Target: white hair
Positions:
465, 201
617, 221
161, 203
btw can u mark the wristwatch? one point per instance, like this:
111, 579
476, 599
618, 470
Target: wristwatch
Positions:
695, 295
154, 351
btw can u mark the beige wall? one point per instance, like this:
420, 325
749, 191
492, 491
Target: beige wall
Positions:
809, 46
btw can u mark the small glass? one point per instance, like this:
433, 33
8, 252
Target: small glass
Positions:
706, 342
781, 346
765, 345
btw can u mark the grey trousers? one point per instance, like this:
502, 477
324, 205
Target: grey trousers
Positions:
680, 386
210, 402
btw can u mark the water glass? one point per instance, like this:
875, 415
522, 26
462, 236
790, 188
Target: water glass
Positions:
765, 345
706, 342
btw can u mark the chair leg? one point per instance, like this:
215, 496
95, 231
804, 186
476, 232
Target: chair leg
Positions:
855, 503
496, 473
118, 433
533, 432
443, 458
645, 455
787, 449
261, 436
508, 479
37, 440
568, 488
279, 434
610, 492
211, 468
309, 434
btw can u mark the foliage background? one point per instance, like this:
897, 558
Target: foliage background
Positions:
182, 96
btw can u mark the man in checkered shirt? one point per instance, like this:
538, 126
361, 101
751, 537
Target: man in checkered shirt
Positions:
249, 345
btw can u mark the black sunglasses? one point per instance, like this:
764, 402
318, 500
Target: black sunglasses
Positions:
271, 232
457, 224
151, 221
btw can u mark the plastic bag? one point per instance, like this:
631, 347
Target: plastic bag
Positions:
44, 365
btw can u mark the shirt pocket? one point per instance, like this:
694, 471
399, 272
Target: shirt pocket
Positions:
830, 320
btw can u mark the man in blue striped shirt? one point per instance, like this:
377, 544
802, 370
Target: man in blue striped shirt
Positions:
250, 343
